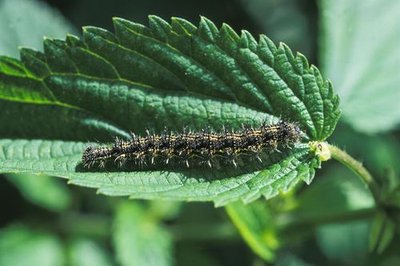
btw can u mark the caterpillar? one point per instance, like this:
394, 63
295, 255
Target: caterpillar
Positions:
203, 146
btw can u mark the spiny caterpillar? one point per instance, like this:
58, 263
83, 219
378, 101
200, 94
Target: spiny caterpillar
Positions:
185, 147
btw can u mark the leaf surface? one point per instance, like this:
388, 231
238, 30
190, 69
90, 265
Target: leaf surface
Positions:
28, 30
20, 245
360, 53
87, 252
139, 239
42, 190
165, 75
255, 224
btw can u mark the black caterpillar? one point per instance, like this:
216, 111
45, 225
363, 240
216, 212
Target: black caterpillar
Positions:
187, 146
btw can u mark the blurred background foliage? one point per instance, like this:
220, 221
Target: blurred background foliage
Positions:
46, 222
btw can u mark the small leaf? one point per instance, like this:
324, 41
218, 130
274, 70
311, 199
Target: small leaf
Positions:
394, 196
20, 245
256, 226
382, 232
42, 190
165, 75
88, 253
388, 234
376, 230
139, 240
360, 52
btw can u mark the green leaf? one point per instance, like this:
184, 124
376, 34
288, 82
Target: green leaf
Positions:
139, 239
256, 226
165, 75
42, 121
154, 64
42, 190
18, 84
394, 195
27, 30
344, 242
360, 52
383, 230
22, 246
88, 253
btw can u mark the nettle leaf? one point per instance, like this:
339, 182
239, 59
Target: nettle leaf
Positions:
21, 245
42, 190
256, 225
165, 75
139, 239
85, 251
360, 52
19, 28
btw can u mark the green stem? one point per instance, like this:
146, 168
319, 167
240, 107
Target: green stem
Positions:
358, 169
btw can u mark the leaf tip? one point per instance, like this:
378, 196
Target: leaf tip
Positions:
116, 20
86, 28
154, 19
